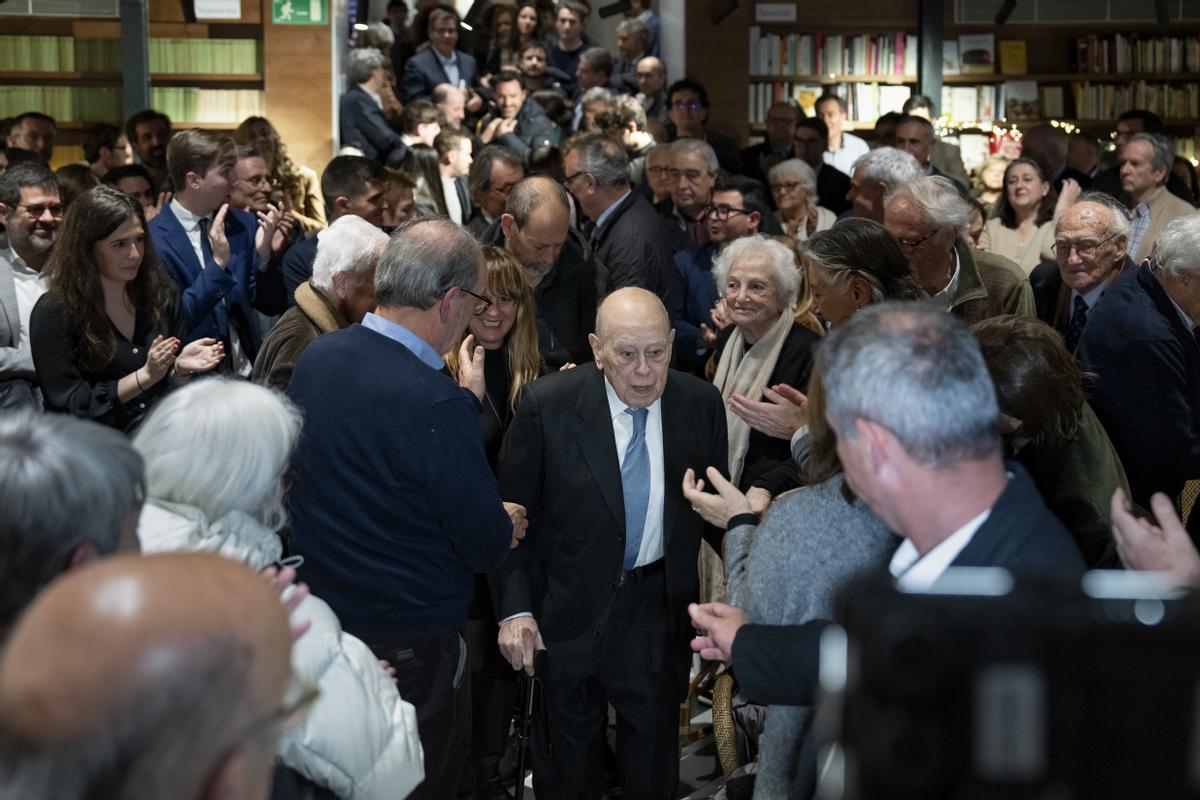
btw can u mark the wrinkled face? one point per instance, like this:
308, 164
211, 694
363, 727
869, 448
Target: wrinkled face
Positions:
251, 186
809, 146
831, 302
635, 354
1086, 251
686, 111
691, 182
527, 20
453, 109
752, 298
567, 25
832, 115
538, 243
650, 78
357, 294
509, 98
1138, 174
493, 325
119, 255
658, 172
1024, 187
152, 140
630, 46
919, 238
790, 194
36, 135
866, 197
915, 138
33, 225
139, 188
211, 190
368, 205
503, 179
443, 35
728, 218
781, 126
533, 62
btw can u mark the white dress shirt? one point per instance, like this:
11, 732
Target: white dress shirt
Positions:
916, 573
454, 208
30, 285
844, 157
652, 533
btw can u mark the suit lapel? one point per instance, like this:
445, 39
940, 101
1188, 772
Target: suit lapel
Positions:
177, 242
594, 435
675, 439
8, 300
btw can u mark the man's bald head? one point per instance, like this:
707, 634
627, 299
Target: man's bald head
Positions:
535, 222
145, 677
632, 345
1091, 238
631, 305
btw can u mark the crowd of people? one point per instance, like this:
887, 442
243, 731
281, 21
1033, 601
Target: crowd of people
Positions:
539, 375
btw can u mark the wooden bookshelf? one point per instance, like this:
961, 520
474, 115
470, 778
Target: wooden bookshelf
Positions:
1073, 77
836, 78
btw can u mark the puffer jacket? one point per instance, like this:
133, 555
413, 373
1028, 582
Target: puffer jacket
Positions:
359, 740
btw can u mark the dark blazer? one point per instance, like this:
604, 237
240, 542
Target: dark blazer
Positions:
632, 248
698, 294
832, 187
565, 299
1052, 298
777, 665
424, 72
560, 461
361, 124
298, 266
1147, 386
213, 298
534, 129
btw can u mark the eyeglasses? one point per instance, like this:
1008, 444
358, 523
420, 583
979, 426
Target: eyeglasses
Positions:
692, 175
657, 172
913, 244
692, 106
570, 178
55, 209
1086, 249
723, 211
785, 186
480, 306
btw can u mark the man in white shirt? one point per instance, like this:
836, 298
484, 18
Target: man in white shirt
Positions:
844, 148
454, 164
593, 600
31, 210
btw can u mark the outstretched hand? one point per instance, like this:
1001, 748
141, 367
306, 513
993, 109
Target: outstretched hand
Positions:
1165, 547
715, 509
719, 624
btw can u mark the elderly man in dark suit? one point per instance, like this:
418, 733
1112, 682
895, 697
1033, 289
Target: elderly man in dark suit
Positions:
595, 598
1090, 243
440, 63
361, 123
911, 402
1142, 346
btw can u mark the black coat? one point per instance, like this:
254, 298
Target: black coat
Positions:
1147, 386
560, 461
633, 248
777, 664
1047, 283
565, 299
298, 266
361, 124
534, 129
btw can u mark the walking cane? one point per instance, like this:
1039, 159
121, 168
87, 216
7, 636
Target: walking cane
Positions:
523, 732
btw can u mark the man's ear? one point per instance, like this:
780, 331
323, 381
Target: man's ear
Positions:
594, 341
755, 219
341, 203
508, 224
192, 177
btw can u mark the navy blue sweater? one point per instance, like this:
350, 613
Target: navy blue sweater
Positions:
392, 503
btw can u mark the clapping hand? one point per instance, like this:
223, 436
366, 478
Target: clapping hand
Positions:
778, 416
283, 232
470, 367
159, 358
200, 356
720, 318
217, 238
715, 509
268, 222
489, 132
1162, 548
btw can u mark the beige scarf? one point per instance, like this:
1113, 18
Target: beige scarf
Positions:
745, 371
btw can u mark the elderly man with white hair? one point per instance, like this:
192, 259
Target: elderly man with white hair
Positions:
1141, 345
877, 173
794, 187
928, 217
341, 291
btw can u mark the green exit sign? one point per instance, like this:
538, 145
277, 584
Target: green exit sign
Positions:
300, 12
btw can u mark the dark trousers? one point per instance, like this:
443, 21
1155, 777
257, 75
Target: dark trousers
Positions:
634, 670
431, 673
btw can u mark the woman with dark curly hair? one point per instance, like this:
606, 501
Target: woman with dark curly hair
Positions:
298, 187
103, 335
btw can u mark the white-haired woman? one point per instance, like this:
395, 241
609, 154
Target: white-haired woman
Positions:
215, 482
794, 187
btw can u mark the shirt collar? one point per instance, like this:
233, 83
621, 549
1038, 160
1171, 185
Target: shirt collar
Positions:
608, 211
617, 406
946, 296
916, 573
416, 345
447, 61
1187, 321
1092, 297
187, 219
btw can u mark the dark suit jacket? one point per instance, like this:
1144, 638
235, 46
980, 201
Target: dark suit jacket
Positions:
298, 266
215, 298
1052, 297
698, 294
633, 248
560, 461
534, 129
1147, 386
777, 665
361, 124
424, 71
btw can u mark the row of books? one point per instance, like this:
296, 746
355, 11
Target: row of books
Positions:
1014, 101
821, 54
103, 103
1122, 52
1083, 101
865, 102
191, 56
1171, 101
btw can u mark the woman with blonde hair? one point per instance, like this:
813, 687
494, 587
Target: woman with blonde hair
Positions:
297, 188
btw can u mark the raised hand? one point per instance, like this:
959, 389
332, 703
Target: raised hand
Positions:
159, 358
1165, 547
775, 416
715, 509
199, 356
217, 238
470, 367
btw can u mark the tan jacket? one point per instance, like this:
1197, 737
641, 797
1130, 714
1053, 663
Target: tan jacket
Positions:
989, 286
313, 315
1165, 208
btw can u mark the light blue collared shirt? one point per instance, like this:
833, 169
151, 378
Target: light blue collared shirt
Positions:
450, 66
416, 345
609, 211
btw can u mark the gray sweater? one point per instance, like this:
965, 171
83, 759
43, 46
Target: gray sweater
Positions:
785, 571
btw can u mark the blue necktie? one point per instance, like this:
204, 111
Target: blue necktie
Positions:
635, 485
1075, 326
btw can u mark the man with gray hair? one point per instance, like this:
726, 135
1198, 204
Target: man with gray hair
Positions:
633, 43
874, 175
70, 492
1141, 345
627, 238
928, 217
340, 292
693, 170
361, 123
1146, 161
393, 504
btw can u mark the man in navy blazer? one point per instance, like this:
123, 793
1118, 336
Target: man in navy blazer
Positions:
361, 123
440, 62
214, 253
1140, 343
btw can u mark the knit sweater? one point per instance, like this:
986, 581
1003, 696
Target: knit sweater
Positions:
785, 571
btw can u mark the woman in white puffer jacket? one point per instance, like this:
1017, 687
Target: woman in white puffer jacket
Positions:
216, 453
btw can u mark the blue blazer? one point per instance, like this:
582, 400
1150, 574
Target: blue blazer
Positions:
424, 71
361, 124
213, 298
